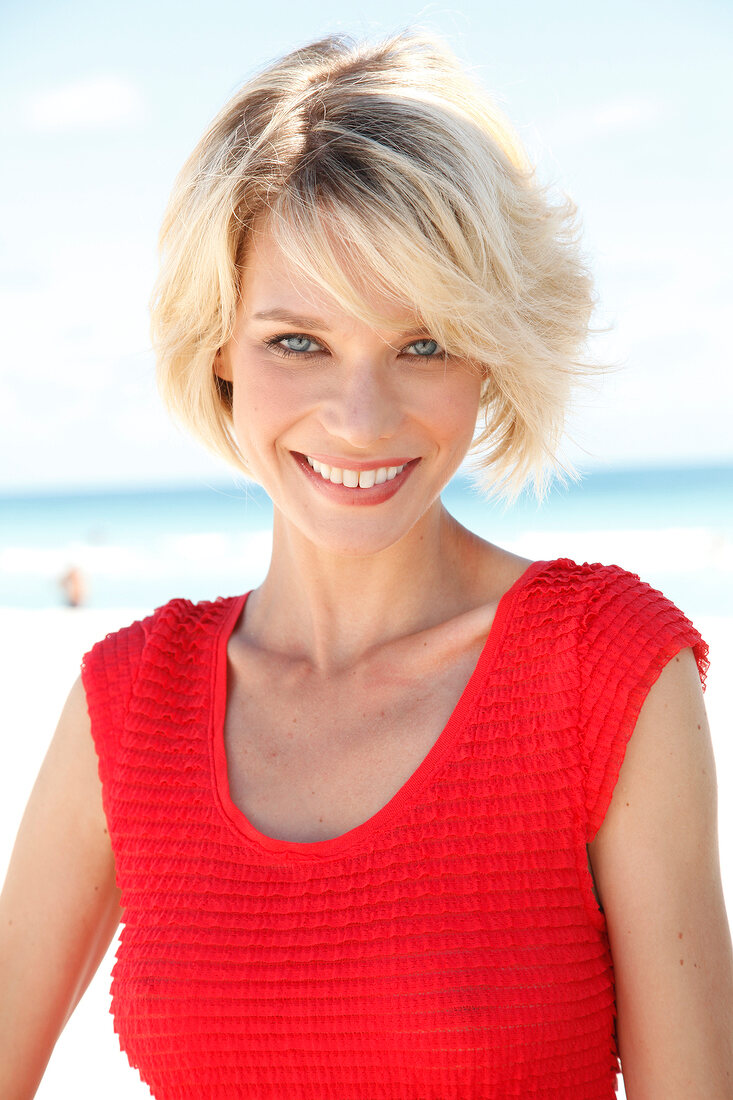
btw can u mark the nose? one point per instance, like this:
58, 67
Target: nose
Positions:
362, 406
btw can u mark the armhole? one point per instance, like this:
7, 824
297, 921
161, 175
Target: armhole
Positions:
629, 634
607, 768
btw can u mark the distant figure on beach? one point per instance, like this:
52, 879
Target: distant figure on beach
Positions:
416, 818
73, 586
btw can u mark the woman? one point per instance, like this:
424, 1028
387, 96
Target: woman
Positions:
381, 828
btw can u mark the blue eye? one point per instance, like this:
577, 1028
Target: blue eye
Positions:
302, 346
425, 349
294, 343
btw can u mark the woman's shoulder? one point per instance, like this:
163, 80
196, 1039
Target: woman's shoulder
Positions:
611, 609
593, 585
175, 626
565, 587
179, 613
586, 576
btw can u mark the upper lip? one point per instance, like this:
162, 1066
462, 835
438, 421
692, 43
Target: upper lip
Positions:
354, 463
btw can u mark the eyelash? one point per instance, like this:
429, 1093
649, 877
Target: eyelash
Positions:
275, 344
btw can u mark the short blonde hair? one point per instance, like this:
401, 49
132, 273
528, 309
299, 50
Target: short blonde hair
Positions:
391, 150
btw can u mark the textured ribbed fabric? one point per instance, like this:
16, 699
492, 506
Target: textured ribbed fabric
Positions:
448, 948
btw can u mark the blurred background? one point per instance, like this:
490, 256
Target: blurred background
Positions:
627, 108
105, 505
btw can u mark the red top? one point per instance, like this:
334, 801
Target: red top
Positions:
448, 948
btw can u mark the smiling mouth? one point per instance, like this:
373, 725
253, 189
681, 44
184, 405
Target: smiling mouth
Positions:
353, 479
369, 486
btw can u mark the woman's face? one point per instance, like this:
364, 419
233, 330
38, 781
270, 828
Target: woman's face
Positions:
352, 432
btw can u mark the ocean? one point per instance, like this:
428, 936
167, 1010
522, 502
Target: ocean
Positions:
138, 548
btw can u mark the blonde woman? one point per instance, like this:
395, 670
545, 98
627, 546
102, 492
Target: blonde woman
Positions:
415, 818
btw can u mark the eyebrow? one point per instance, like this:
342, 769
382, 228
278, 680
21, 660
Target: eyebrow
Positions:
290, 318
279, 314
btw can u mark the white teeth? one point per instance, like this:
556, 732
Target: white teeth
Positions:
363, 479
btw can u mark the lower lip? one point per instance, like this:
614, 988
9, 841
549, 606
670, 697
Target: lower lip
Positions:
345, 495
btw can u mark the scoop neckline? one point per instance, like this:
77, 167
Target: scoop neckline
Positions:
424, 772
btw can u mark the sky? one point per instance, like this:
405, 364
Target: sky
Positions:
624, 106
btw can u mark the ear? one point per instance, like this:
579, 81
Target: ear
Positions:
222, 366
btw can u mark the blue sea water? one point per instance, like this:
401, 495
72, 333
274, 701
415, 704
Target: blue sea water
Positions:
138, 548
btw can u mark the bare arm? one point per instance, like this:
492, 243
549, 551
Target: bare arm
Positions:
655, 861
59, 907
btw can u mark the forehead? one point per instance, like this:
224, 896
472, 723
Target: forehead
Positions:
277, 274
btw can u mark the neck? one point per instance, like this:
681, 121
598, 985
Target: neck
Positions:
332, 609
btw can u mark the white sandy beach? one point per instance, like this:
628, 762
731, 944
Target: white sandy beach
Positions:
40, 653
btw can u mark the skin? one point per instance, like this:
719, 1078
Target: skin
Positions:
342, 625
656, 867
59, 908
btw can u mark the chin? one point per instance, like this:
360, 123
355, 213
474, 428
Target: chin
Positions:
361, 540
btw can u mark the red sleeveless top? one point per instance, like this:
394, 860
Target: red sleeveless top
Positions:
448, 948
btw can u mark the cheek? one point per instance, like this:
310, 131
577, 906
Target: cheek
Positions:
455, 411
249, 416
264, 407
252, 398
